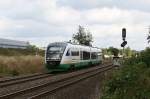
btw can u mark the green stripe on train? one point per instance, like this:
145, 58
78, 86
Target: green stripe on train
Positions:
76, 65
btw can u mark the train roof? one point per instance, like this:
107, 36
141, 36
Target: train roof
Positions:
58, 44
68, 43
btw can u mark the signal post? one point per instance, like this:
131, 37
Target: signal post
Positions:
123, 44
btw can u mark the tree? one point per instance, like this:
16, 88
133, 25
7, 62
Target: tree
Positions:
148, 38
114, 51
104, 51
128, 52
83, 37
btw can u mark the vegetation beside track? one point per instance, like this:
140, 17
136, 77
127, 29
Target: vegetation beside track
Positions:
15, 61
132, 80
17, 65
31, 50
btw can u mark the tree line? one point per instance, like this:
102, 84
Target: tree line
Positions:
128, 52
84, 37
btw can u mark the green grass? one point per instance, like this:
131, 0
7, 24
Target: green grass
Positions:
19, 52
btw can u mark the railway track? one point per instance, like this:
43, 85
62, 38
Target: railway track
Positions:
60, 81
22, 79
69, 82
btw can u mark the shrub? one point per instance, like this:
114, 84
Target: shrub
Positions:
145, 56
132, 81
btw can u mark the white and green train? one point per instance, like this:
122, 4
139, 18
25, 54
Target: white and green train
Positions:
65, 56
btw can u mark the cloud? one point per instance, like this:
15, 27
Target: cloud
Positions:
42, 22
142, 5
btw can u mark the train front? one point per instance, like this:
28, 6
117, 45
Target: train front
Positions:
53, 56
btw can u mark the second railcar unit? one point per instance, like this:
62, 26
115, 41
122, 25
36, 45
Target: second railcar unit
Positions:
65, 56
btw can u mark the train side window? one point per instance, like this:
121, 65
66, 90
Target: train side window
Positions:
68, 53
81, 55
75, 53
86, 55
93, 55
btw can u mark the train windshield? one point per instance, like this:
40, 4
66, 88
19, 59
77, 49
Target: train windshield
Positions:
55, 52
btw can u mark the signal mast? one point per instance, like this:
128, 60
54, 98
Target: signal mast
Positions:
124, 43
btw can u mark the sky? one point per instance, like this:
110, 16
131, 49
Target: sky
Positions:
44, 21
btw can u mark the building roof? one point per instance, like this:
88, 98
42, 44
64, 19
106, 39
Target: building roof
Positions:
13, 42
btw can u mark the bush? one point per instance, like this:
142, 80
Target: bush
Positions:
132, 81
145, 56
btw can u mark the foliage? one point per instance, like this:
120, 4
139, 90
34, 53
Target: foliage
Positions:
128, 52
148, 37
132, 81
83, 37
105, 51
114, 51
145, 56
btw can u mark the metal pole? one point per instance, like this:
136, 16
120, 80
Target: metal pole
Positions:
123, 52
123, 55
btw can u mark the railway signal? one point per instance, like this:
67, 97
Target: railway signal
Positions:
124, 34
124, 37
124, 43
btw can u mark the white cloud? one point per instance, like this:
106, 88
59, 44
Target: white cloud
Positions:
142, 5
46, 21
4, 23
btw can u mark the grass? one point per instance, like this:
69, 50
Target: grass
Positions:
20, 52
18, 65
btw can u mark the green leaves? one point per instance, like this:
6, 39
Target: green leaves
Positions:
83, 37
114, 51
132, 81
148, 37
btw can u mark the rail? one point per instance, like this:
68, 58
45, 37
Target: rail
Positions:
63, 80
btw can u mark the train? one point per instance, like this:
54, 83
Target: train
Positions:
61, 56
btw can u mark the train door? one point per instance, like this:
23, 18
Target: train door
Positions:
67, 57
75, 56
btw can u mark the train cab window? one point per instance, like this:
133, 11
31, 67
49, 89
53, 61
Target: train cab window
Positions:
68, 52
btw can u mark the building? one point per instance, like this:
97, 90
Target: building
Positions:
6, 43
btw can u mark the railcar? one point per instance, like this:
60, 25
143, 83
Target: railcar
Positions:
60, 56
